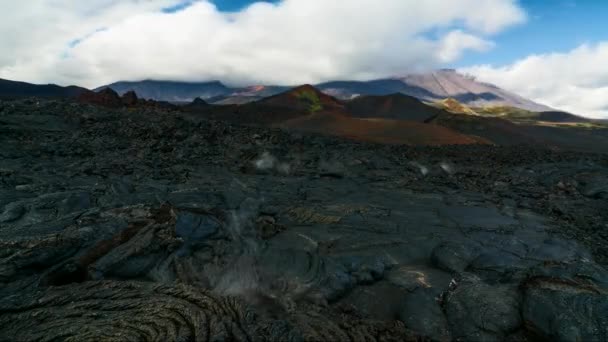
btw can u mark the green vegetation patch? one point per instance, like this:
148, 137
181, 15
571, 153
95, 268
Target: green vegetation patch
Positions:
311, 99
507, 112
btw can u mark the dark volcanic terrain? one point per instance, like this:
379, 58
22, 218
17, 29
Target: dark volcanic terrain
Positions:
148, 223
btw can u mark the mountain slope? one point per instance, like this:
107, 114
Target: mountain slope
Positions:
505, 132
434, 86
394, 106
383, 131
449, 83
513, 114
351, 89
558, 116
22, 89
304, 98
259, 91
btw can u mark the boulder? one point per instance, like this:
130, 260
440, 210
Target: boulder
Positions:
478, 311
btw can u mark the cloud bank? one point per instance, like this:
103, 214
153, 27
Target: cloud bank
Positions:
575, 81
95, 42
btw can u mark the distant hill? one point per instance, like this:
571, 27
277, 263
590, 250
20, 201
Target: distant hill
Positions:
305, 98
10, 89
169, 90
270, 111
394, 106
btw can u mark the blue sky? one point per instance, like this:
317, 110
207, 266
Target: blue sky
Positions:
222, 5
233, 5
552, 26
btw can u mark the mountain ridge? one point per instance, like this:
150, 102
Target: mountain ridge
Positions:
10, 88
430, 86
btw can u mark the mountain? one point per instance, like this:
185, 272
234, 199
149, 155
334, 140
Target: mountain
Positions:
171, 91
430, 87
434, 86
270, 111
305, 98
352, 89
22, 89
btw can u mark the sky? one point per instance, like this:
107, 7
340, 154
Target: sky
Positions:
552, 51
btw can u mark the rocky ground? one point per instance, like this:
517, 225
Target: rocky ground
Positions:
141, 224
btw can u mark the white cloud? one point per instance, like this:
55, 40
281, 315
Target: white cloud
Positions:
454, 43
294, 41
575, 81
